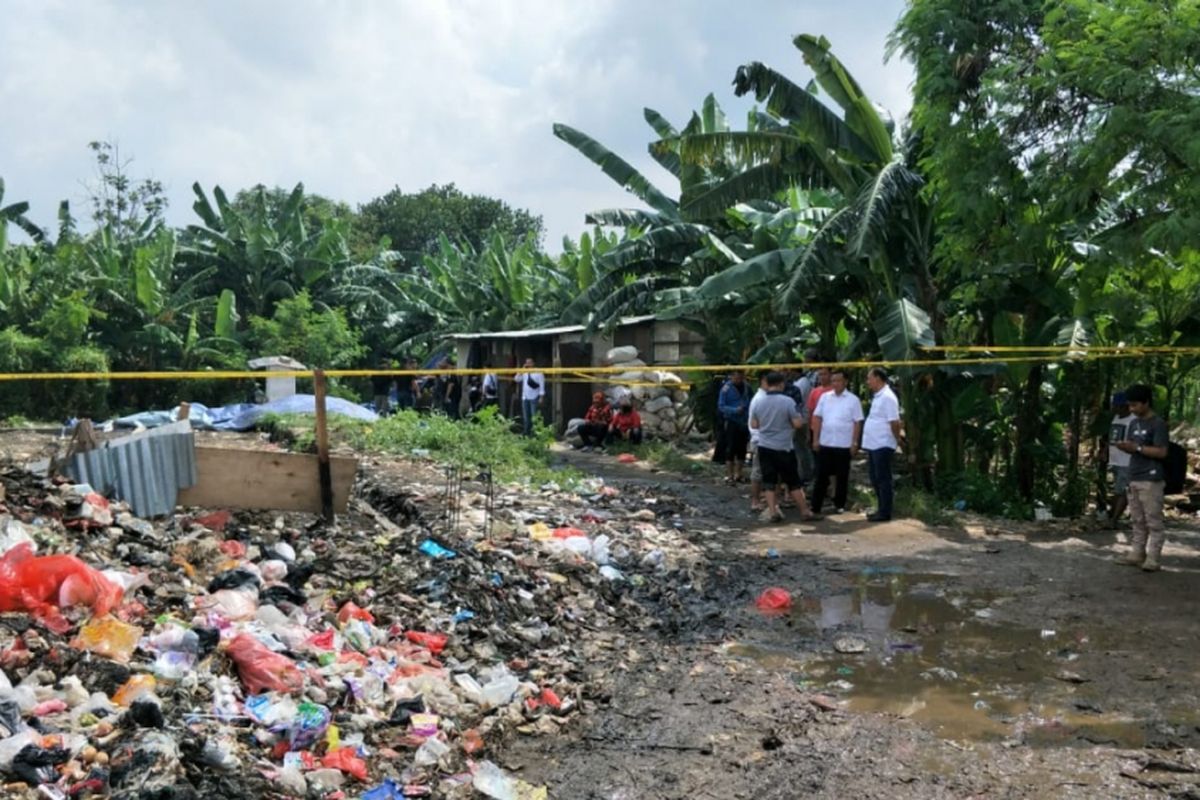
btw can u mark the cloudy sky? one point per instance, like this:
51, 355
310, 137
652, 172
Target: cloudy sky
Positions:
355, 97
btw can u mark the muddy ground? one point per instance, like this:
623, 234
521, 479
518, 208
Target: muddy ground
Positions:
999, 660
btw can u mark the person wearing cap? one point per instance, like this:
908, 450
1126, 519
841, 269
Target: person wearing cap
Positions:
595, 422
1118, 459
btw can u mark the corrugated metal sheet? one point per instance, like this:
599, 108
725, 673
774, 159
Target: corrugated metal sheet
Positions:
145, 470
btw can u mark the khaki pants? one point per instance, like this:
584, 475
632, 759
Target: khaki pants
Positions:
1146, 510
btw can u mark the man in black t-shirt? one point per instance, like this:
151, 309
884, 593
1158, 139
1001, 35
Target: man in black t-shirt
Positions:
381, 388
1146, 441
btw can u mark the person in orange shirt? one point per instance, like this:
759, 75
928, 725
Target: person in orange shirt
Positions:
626, 424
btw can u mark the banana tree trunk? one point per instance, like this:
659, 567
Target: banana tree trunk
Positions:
1028, 419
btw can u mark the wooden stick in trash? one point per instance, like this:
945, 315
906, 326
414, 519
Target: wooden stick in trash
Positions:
323, 473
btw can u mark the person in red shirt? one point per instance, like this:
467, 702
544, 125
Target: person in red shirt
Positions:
626, 424
595, 422
821, 388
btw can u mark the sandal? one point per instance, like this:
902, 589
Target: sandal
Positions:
813, 518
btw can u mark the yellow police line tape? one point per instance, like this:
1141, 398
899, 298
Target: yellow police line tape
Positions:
603, 374
597, 374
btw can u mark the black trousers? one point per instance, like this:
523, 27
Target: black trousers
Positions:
592, 433
832, 462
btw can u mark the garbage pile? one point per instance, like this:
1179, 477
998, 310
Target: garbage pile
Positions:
251, 654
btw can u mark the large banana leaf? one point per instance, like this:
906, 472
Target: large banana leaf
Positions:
226, 326
618, 169
876, 203
627, 218
861, 116
903, 329
813, 120
663, 243
821, 256
769, 268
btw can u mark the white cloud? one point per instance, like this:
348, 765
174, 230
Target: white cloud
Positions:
355, 97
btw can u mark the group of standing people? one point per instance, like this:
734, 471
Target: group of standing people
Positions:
444, 391
804, 429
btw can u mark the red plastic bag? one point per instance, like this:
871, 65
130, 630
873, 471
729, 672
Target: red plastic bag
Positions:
434, 642
567, 533
774, 600
41, 585
216, 521
233, 548
351, 611
627, 458
345, 759
261, 669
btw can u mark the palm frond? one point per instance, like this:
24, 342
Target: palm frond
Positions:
618, 169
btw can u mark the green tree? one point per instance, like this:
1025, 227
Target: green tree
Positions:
413, 224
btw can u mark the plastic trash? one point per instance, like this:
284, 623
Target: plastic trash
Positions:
240, 578
262, 670
351, 611
580, 545
501, 688
174, 665
567, 533
490, 780
14, 532
388, 790
600, 552
425, 724
291, 780
346, 760
430, 751
308, 726
42, 585
611, 573
434, 550
136, 687
109, 637
37, 765
434, 642
470, 687
627, 458
470, 741
232, 604
774, 599
325, 780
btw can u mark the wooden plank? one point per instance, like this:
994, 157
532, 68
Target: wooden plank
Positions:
326, 479
260, 479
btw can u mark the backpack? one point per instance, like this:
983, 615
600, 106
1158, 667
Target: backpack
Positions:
1174, 469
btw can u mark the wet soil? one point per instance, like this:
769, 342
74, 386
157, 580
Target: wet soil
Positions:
990, 659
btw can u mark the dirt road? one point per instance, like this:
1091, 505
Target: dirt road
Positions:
984, 660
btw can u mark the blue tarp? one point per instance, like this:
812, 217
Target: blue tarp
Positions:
244, 416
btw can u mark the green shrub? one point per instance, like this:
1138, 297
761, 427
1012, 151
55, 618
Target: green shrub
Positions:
485, 439
20, 352
79, 398
983, 494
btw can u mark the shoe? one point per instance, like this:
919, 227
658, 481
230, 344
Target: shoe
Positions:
1131, 559
585, 449
767, 516
839, 511
812, 518
1150, 564
878, 518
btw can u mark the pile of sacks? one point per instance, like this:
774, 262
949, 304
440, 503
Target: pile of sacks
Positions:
662, 406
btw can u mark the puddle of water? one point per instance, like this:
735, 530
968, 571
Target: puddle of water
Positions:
941, 658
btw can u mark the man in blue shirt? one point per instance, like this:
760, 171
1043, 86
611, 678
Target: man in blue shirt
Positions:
733, 408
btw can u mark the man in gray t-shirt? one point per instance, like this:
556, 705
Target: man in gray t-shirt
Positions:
1146, 441
774, 417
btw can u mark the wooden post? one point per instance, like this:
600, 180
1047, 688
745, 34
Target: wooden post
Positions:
185, 410
323, 473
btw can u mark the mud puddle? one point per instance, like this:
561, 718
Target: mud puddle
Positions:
913, 646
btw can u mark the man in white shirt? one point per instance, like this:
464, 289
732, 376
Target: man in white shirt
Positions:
755, 464
1118, 459
533, 388
836, 426
881, 437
